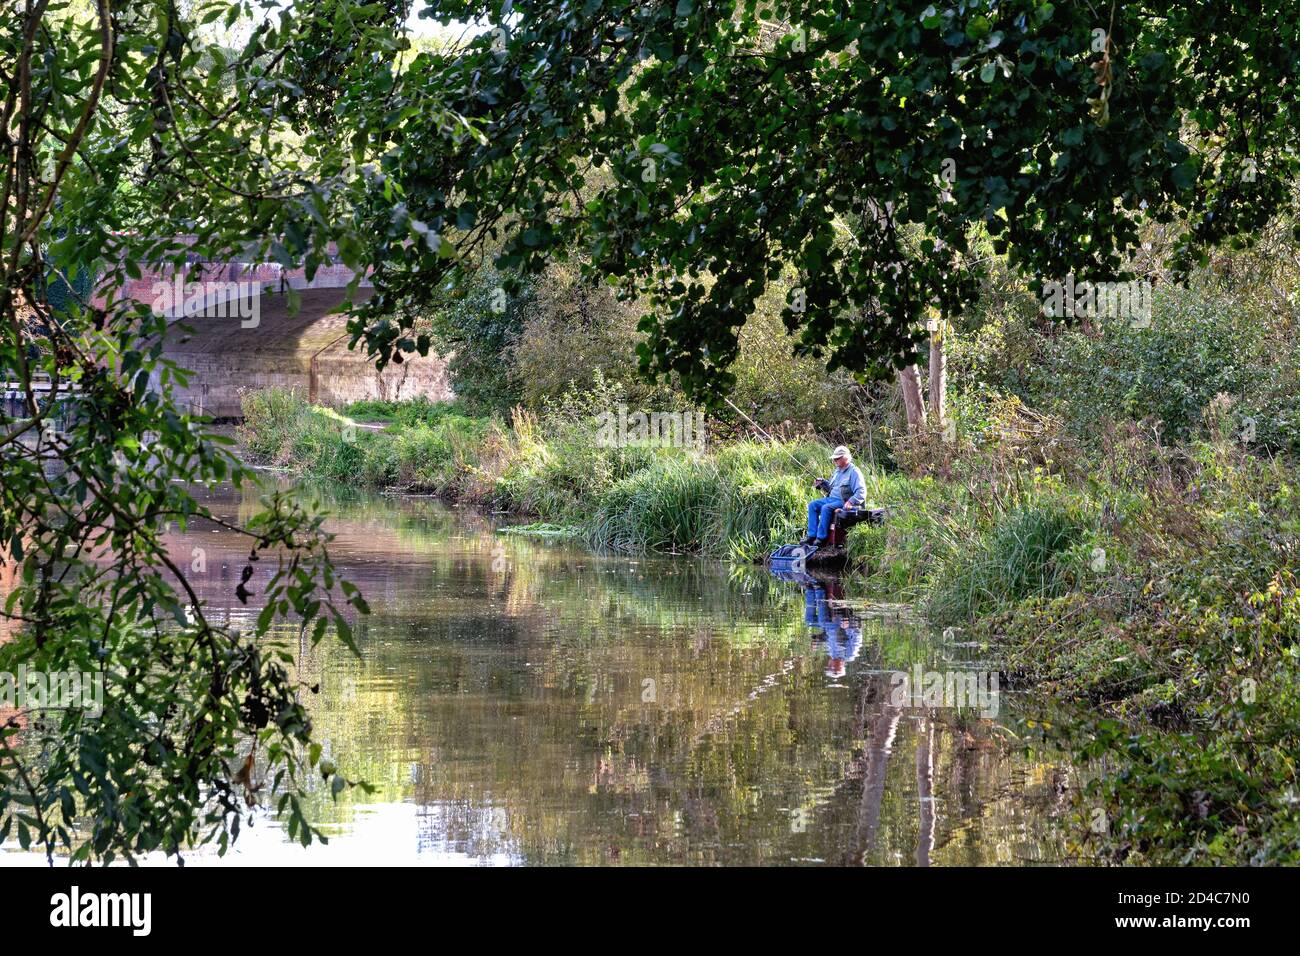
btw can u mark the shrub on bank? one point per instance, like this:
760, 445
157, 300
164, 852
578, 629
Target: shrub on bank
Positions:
1026, 554
1219, 786
741, 500
1195, 348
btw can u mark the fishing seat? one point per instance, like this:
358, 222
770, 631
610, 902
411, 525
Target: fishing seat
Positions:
844, 520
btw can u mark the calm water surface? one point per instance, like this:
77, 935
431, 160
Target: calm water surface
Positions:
523, 702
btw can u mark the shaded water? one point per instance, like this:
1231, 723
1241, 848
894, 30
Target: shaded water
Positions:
525, 702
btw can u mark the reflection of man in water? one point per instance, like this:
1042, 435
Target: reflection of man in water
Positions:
842, 643
838, 628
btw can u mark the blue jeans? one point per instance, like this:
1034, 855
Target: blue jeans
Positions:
820, 514
815, 611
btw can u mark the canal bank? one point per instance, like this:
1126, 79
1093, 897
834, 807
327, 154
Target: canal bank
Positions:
1150, 584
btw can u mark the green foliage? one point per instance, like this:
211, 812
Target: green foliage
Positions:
689, 506
144, 143
415, 411
1023, 555
925, 523
1198, 346
579, 338
669, 506
198, 715
478, 327
279, 429
793, 392
871, 143
428, 447
1180, 629
1222, 789
1218, 360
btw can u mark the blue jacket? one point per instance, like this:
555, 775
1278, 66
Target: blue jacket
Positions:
847, 484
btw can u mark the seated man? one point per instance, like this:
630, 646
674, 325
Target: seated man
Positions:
845, 489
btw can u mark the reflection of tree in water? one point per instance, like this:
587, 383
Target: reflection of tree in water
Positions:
510, 704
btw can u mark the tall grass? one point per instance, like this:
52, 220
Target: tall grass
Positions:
408, 413
741, 500
669, 506
439, 452
693, 506
281, 429
1024, 555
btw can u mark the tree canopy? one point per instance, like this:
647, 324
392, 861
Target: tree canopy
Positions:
696, 151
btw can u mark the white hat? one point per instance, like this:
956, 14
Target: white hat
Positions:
841, 452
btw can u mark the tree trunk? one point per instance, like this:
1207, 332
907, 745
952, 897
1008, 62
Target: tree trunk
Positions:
909, 379
938, 376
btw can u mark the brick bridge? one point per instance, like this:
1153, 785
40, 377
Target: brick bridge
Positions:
237, 345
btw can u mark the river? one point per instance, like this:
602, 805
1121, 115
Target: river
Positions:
521, 702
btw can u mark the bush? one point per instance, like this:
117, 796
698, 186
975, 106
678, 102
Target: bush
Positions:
775, 387
1197, 347
580, 338
1022, 556
688, 505
760, 515
1221, 790
478, 327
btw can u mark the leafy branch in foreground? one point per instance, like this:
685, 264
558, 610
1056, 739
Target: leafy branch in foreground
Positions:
135, 135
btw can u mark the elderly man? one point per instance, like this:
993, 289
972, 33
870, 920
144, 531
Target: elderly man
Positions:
845, 489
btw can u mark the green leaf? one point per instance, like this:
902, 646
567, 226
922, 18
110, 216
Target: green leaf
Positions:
1184, 175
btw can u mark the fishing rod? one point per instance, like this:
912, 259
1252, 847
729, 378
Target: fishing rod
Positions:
803, 467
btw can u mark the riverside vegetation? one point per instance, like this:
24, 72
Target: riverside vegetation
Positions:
1141, 566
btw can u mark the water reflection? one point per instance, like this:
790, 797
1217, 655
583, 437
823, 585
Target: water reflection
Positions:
524, 702
833, 624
